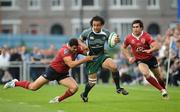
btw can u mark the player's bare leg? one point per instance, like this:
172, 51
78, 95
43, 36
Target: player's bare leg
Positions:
110, 65
38, 83
159, 76
72, 86
144, 69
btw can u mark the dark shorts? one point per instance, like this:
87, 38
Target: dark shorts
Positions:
152, 62
94, 65
50, 74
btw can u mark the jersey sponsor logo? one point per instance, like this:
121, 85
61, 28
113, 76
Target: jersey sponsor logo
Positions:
143, 40
97, 46
91, 38
139, 49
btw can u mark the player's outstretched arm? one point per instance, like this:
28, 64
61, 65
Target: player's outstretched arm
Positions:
83, 46
126, 53
68, 61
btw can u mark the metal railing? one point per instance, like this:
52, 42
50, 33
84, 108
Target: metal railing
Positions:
17, 64
25, 68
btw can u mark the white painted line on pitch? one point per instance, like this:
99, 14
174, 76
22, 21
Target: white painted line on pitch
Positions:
35, 105
60, 111
22, 103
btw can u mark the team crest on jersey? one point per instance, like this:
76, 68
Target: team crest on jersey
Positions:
104, 38
143, 40
66, 51
132, 41
91, 38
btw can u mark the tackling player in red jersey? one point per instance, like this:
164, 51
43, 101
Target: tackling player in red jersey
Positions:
142, 46
58, 70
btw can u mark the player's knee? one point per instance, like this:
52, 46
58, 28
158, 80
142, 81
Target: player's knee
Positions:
33, 87
146, 75
74, 88
114, 69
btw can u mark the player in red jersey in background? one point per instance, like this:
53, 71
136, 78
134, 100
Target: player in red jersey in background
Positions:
142, 47
57, 70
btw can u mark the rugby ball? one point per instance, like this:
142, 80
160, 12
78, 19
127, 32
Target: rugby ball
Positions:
111, 39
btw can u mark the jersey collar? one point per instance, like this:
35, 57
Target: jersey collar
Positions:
101, 32
137, 37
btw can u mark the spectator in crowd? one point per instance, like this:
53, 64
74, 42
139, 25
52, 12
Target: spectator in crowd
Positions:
50, 52
4, 62
37, 58
25, 55
175, 66
15, 57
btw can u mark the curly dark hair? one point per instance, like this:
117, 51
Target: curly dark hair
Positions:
73, 42
97, 18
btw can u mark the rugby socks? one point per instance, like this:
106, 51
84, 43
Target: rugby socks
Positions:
153, 82
88, 87
116, 78
67, 94
161, 82
23, 84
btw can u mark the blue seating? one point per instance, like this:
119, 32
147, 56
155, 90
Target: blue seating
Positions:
42, 41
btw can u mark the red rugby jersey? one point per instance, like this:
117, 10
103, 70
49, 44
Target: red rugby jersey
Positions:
138, 44
58, 63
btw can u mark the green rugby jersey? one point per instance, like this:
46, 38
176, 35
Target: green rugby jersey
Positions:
95, 41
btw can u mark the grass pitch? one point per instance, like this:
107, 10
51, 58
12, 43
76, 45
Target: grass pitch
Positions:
102, 98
